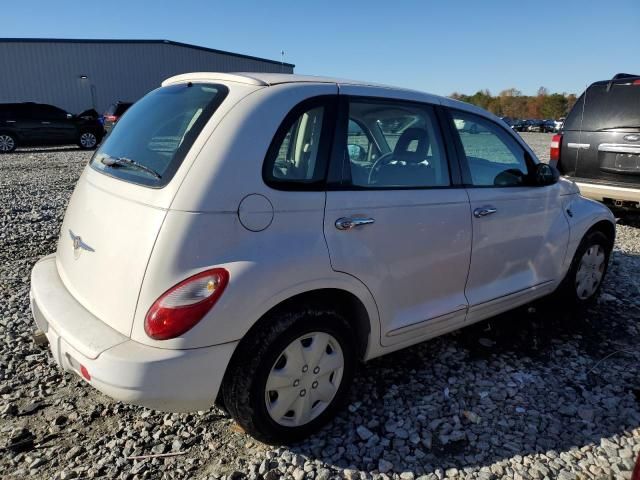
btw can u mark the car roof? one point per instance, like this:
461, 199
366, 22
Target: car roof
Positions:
270, 79
267, 79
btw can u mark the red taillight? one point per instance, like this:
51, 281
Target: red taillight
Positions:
85, 373
110, 118
554, 151
636, 82
182, 306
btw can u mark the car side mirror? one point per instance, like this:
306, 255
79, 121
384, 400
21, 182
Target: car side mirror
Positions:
546, 174
357, 153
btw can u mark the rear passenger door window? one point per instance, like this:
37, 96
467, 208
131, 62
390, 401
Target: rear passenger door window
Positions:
493, 157
395, 145
298, 154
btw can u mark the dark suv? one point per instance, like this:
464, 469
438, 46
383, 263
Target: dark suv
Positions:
28, 124
599, 145
113, 114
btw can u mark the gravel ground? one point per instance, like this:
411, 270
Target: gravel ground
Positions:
532, 394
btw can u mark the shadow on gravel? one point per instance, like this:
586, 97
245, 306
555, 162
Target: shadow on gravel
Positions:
532, 381
30, 150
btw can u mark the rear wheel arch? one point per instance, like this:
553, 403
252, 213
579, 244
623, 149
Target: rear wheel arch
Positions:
345, 302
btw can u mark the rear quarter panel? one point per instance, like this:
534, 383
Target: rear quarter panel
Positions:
202, 228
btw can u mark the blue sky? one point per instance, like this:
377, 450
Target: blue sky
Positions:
435, 46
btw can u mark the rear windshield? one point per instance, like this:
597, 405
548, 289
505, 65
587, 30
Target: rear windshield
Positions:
148, 144
617, 108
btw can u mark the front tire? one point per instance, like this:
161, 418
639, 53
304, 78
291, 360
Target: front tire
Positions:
584, 279
8, 143
291, 374
88, 140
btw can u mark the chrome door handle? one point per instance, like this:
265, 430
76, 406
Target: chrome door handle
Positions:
45, 123
347, 223
484, 211
10, 121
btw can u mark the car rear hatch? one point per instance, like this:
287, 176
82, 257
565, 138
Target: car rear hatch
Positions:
121, 200
606, 144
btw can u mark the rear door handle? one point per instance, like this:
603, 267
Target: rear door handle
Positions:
45, 123
347, 223
484, 211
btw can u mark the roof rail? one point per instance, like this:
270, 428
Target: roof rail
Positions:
619, 76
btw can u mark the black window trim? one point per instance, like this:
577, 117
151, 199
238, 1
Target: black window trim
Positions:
467, 181
339, 178
330, 104
183, 150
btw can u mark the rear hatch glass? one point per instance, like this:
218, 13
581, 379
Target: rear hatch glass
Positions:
618, 108
149, 143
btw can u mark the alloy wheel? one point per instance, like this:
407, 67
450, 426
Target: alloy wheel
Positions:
7, 143
88, 140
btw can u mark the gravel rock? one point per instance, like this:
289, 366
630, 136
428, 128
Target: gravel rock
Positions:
545, 394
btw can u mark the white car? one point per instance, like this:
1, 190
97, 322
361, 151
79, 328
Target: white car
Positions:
248, 239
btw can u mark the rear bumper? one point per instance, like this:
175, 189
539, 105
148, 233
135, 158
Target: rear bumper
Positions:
168, 380
602, 192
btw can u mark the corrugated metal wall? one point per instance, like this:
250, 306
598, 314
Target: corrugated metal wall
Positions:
49, 72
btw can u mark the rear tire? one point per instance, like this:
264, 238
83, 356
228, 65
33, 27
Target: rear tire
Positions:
88, 140
8, 142
291, 374
586, 275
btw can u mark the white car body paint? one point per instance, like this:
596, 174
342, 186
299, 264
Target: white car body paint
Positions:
425, 267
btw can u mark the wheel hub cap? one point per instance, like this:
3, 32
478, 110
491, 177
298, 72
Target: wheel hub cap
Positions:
88, 140
304, 379
590, 272
6, 143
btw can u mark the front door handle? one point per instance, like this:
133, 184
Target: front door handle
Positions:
45, 123
484, 211
347, 223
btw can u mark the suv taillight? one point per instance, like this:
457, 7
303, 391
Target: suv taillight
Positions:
110, 118
554, 151
182, 306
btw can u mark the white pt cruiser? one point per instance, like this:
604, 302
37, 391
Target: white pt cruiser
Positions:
247, 239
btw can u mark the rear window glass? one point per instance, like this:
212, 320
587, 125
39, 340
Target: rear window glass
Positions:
619, 107
149, 143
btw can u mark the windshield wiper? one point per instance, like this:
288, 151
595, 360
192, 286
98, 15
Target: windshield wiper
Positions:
127, 162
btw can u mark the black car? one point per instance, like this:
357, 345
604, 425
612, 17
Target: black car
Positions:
29, 124
548, 126
113, 113
520, 125
599, 145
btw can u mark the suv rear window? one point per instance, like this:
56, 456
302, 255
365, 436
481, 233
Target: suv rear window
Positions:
148, 144
619, 107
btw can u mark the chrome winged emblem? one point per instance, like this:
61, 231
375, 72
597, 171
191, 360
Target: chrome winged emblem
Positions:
79, 244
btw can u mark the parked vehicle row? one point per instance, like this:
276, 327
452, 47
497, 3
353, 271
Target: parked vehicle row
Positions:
599, 146
34, 124
545, 126
246, 240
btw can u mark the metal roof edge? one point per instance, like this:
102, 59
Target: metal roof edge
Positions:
151, 41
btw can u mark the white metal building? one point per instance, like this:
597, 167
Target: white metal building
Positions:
80, 74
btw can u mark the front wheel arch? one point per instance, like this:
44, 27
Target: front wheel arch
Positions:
605, 227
